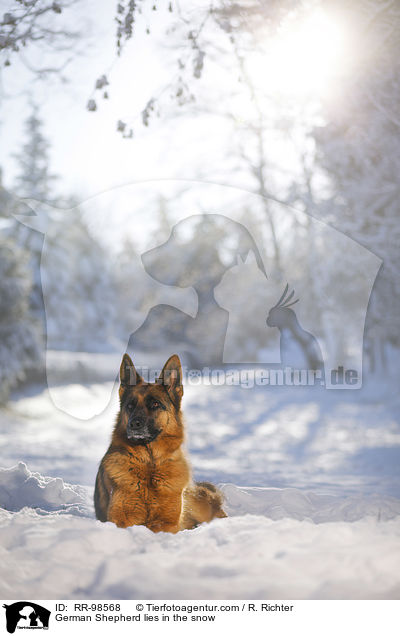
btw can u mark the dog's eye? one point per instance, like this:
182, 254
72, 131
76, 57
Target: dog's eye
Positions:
130, 406
154, 405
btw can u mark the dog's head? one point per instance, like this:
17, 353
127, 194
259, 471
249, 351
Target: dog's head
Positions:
150, 412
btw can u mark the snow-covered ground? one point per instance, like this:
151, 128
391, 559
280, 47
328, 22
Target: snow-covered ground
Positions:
310, 477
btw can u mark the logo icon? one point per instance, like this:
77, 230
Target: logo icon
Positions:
26, 615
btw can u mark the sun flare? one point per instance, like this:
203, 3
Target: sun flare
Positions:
306, 55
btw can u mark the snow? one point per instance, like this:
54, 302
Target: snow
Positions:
310, 481
19, 487
274, 550
269, 547
280, 503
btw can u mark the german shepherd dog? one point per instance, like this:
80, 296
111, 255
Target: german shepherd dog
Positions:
144, 478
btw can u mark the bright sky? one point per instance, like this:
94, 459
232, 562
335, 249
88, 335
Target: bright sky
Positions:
86, 149
91, 157
291, 73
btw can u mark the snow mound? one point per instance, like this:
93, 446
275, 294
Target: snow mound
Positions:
276, 543
19, 487
53, 557
280, 503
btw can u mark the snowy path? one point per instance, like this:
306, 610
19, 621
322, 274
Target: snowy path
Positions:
311, 481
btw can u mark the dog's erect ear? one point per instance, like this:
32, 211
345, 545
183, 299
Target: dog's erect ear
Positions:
171, 379
127, 373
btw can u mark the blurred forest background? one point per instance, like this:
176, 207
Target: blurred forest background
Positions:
296, 101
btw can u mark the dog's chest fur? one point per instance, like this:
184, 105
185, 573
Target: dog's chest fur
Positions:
149, 480
155, 474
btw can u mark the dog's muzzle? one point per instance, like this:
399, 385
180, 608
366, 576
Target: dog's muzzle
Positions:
141, 431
